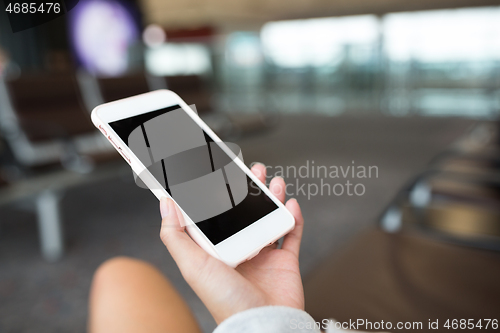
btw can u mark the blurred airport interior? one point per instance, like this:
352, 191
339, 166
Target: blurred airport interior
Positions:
411, 88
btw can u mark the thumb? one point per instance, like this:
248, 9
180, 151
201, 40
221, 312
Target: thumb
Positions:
216, 284
186, 253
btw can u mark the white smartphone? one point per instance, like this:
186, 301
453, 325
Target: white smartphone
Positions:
238, 217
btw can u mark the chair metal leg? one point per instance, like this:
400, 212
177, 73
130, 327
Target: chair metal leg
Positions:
49, 226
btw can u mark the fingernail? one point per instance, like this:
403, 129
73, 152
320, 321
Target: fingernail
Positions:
277, 184
164, 207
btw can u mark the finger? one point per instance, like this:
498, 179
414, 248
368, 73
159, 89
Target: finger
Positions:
277, 187
292, 239
259, 170
211, 279
182, 248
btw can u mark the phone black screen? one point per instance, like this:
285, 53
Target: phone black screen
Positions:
243, 211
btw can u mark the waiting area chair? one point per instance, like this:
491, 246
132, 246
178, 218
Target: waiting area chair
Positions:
457, 198
436, 254
51, 143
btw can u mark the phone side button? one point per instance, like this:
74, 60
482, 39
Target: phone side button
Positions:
124, 155
102, 130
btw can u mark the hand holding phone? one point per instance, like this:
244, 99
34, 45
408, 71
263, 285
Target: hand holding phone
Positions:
271, 278
226, 209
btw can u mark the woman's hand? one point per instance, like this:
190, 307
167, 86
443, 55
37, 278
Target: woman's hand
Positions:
271, 278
